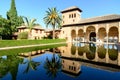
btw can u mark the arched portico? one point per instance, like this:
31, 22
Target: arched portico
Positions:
102, 34
73, 34
92, 36
90, 33
113, 34
81, 35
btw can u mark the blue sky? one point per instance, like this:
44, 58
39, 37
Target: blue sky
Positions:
36, 8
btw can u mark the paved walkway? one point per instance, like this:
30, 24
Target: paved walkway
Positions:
14, 47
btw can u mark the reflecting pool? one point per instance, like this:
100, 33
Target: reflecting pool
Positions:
76, 61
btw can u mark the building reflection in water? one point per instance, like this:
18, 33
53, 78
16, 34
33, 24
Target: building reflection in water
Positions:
106, 54
71, 67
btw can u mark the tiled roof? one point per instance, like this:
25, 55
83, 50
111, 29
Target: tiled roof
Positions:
49, 30
71, 9
100, 18
106, 18
21, 27
37, 27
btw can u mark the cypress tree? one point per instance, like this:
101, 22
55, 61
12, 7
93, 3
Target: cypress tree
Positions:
12, 15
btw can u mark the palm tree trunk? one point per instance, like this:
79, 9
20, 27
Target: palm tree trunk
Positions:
53, 31
29, 33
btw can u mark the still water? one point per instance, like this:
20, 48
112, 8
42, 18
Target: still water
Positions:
77, 61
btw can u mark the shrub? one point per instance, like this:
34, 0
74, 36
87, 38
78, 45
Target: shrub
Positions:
23, 35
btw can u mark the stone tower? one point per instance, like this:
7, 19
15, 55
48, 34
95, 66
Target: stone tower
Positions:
71, 15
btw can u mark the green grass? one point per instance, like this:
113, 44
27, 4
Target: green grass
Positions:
9, 43
22, 50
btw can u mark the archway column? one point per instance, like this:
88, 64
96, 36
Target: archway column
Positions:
96, 54
107, 55
119, 32
84, 32
118, 58
96, 31
107, 31
76, 33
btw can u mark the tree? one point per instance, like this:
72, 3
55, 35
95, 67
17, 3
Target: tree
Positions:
12, 15
29, 23
5, 30
53, 19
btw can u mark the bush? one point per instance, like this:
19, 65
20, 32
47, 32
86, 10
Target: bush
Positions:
23, 35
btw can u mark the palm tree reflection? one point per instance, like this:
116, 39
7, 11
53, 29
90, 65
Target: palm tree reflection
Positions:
52, 66
31, 65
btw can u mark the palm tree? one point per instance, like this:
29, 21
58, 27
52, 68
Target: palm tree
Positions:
29, 23
53, 19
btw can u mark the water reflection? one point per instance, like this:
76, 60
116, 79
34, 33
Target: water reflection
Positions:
71, 67
31, 64
52, 66
101, 51
106, 53
9, 65
73, 62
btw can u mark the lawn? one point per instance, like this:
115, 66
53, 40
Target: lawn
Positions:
22, 50
9, 43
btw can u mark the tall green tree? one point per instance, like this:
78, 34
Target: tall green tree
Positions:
53, 19
12, 15
5, 29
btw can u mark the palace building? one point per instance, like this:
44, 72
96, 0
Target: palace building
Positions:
98, 29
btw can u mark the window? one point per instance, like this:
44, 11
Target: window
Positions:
40, 31
74, 68
69, 67
36, 31
69, 15
74, 15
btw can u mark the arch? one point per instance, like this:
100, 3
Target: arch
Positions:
73, 34
92, 36
113, 34
80, 34
102, 34
88, 31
